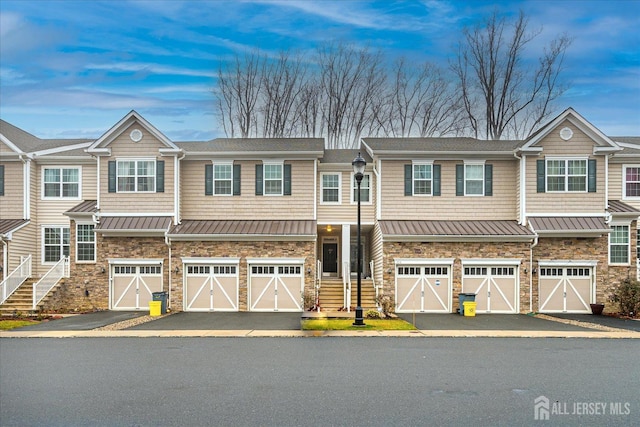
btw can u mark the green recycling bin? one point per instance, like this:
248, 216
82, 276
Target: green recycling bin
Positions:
162, 297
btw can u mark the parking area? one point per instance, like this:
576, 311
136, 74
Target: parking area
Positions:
223, 321
485, 322
84, 322
604, 320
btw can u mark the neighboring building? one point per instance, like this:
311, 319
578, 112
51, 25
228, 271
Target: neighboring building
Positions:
547, 224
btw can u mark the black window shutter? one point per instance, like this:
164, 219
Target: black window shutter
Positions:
259, 180
287, 180
1, 180
112, 176
159, 176
236, 180
540, 176
488, 180
459, 180
436, 180
408, 180
208, 180
592, 175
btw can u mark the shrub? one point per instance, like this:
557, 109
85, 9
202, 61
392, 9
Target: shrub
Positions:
386, 303
627, 295
372, 314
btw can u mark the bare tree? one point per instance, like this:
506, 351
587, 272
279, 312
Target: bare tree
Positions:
500, 93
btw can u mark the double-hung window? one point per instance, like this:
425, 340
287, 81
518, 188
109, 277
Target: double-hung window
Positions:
365, 189
85, 243
56, 243
331, 188
566, 175
474, 179
60, 183
619, 247
273, 179
223, 179
422, 179
136, 176
631, 187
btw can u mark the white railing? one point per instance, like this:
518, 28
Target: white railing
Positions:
318, 284
373, 280
15, 279
346, 285
49, 280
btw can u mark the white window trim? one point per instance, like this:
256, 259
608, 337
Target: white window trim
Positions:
353, 189
60, 167
566, 175
464, 178
624, 182
137, 159
620, 224
42, 240
339, 202
95, 246
214, 178
264, 178
413, 181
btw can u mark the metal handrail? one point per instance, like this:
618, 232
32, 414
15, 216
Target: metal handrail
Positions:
49, 280
346, 285
318, 284
15, 279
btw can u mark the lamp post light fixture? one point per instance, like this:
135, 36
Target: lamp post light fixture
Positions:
358, 168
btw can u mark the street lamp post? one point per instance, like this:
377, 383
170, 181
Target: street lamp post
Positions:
358, 168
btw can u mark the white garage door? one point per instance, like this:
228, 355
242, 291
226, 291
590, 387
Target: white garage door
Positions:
495, 286
132, 286
423, 289
211, 287
276, 287
565, 289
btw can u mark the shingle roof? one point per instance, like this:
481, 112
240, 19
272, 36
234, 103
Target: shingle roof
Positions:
221, 145
88, 207
344, 156
9, 225
475, 229
453, 145
29, 143
616, 206
245, 227
569, 225
134, 223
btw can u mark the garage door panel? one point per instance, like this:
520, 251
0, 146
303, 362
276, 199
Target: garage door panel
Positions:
495, 286
289, 293
262, 293
578, 291
423, 289
276, 287
225, 293
211, 287
565, 289
408, 294
436, 295
132, 286
503, 295
197, 293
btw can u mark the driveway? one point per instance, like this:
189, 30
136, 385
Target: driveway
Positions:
612, 322
84, 322
486, 322
230, 321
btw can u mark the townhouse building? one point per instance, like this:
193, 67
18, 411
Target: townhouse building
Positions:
546, 224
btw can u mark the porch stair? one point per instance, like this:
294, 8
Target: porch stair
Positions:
331, 295
21, 301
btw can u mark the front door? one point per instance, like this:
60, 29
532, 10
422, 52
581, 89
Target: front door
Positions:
330, 258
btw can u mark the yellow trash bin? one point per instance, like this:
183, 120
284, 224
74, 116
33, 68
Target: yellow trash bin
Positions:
155, 308
469, 308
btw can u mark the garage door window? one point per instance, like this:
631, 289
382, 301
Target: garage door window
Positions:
502, 271
289, 269
475, 271
262, 269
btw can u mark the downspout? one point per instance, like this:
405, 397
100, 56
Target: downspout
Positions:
533, 245
377, 165
5, 256
523, 188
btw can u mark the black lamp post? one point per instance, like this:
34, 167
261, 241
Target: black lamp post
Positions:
358, 168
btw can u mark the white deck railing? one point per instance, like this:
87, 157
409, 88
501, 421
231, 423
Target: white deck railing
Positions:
15, 279
346, 285
49, 280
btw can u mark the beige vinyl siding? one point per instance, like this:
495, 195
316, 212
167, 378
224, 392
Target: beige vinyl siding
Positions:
22, 244
565, 202
377, 254
246, 206
346, 211
502, 205
11, 204
616, 183
122, 148
4, 149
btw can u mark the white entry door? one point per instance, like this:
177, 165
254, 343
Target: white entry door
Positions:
132, 286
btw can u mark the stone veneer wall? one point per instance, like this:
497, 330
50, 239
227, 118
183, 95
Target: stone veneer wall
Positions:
87, 288
242, 250
458, 251
587, 249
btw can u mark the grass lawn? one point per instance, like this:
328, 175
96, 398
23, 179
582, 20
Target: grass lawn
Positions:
347, 325
6, 325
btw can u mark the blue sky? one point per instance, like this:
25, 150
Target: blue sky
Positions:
72, 69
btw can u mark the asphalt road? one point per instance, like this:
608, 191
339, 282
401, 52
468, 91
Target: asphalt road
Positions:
316, 381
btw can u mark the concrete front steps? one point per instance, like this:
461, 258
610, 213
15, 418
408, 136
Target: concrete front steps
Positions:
332, 291
20, 303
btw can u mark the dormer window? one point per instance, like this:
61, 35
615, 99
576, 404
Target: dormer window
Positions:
137, 176
567, 175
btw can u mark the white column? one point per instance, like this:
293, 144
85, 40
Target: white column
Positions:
346, 248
